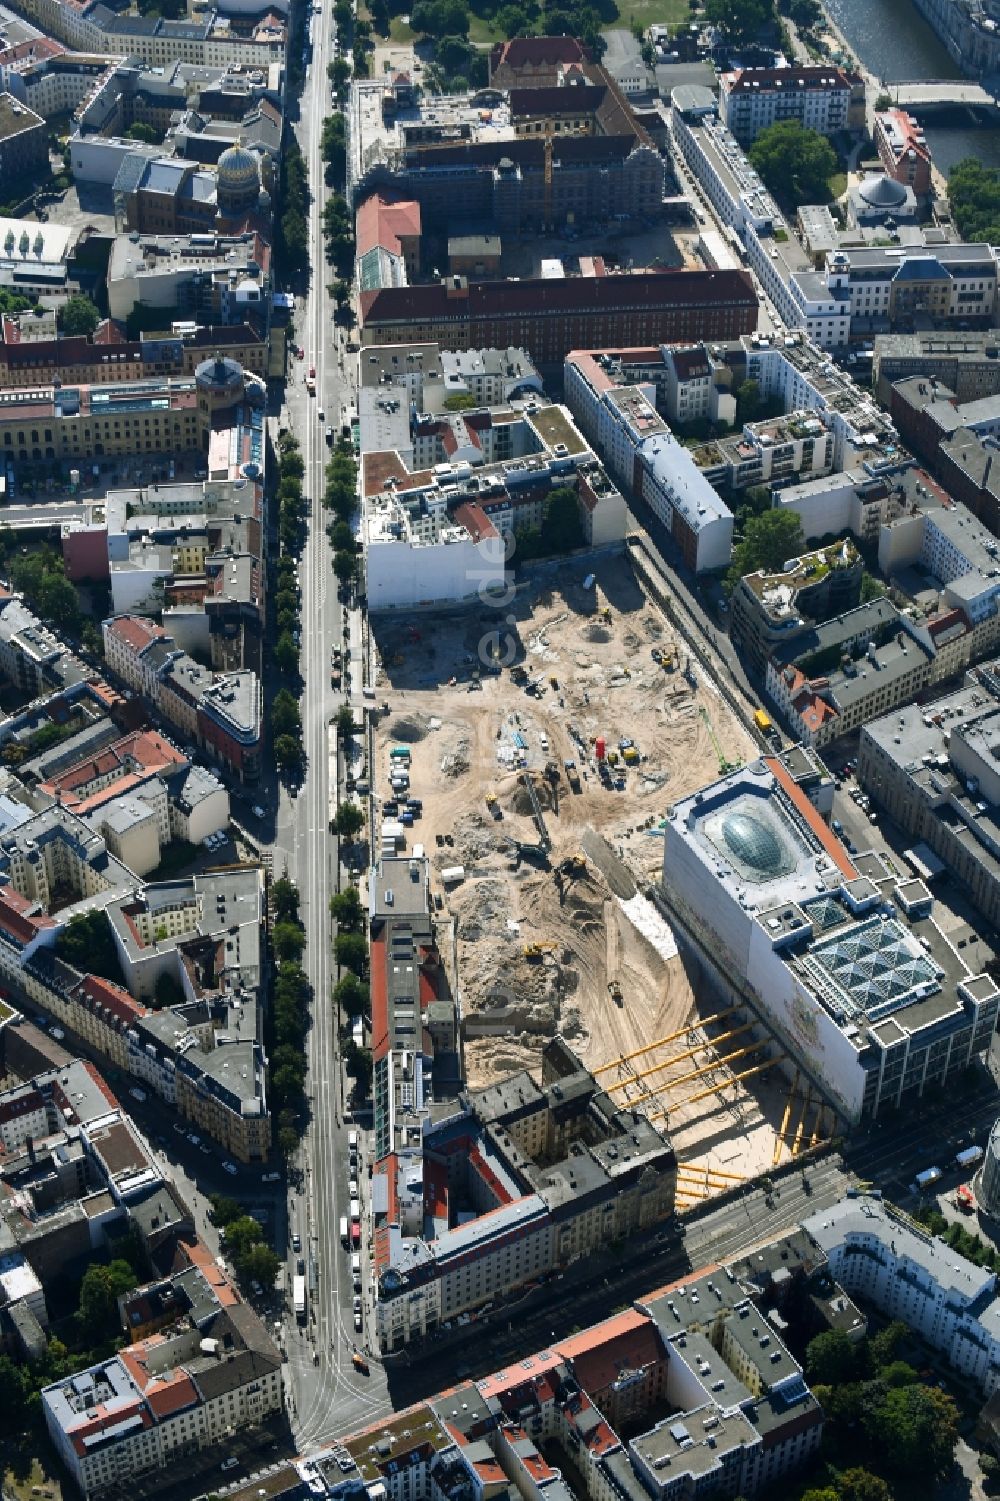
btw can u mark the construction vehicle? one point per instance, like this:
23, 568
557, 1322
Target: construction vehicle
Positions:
762, 721
359, 1362
574, 864
605, 613
493, 803
572, 775
538, 950
554, 683
724, 764
615, 992
518, 675
630, 756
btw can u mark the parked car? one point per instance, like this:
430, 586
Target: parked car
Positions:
230, 1167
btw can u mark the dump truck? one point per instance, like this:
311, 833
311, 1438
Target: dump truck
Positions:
572, 775
493, 803
630, 756
537, 950
615, 992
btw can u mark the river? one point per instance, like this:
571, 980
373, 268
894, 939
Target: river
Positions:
892, 40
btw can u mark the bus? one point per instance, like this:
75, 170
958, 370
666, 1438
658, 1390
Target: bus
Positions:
299, 1297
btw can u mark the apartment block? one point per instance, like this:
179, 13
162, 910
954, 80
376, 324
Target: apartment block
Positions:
769, 610
222, 714
825, 99
702, 1349
881, 1256
933, 770
516, 1181
644, 457
164, 1398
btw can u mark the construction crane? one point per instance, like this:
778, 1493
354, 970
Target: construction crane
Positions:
724, 764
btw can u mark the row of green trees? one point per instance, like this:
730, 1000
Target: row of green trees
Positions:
339, 74
333, 147
289, 1017
351, 991
252, 1258
292, 210
338, 231
291, 508
341, 500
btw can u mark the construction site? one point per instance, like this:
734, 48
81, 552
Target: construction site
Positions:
537, 790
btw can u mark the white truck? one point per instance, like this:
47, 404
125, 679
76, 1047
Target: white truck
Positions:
299, 1298
969, 1156
926, 1179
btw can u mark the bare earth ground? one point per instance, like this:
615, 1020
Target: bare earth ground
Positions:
461, 739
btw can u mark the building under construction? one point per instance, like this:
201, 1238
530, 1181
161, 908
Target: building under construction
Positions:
523, 158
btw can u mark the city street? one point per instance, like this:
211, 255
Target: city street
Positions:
327, 1395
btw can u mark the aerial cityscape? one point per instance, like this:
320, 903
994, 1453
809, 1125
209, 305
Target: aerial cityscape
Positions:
499, 750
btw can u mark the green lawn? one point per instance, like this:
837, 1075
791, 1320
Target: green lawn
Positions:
650, 13
838, 184
400, 30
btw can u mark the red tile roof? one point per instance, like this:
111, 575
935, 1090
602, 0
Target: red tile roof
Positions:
134, 631
167, 1397
386, 222
475, 520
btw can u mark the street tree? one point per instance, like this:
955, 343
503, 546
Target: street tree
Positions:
351, 950
346, 908
286, 655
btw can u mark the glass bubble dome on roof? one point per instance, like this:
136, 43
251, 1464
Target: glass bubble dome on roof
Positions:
753, 843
